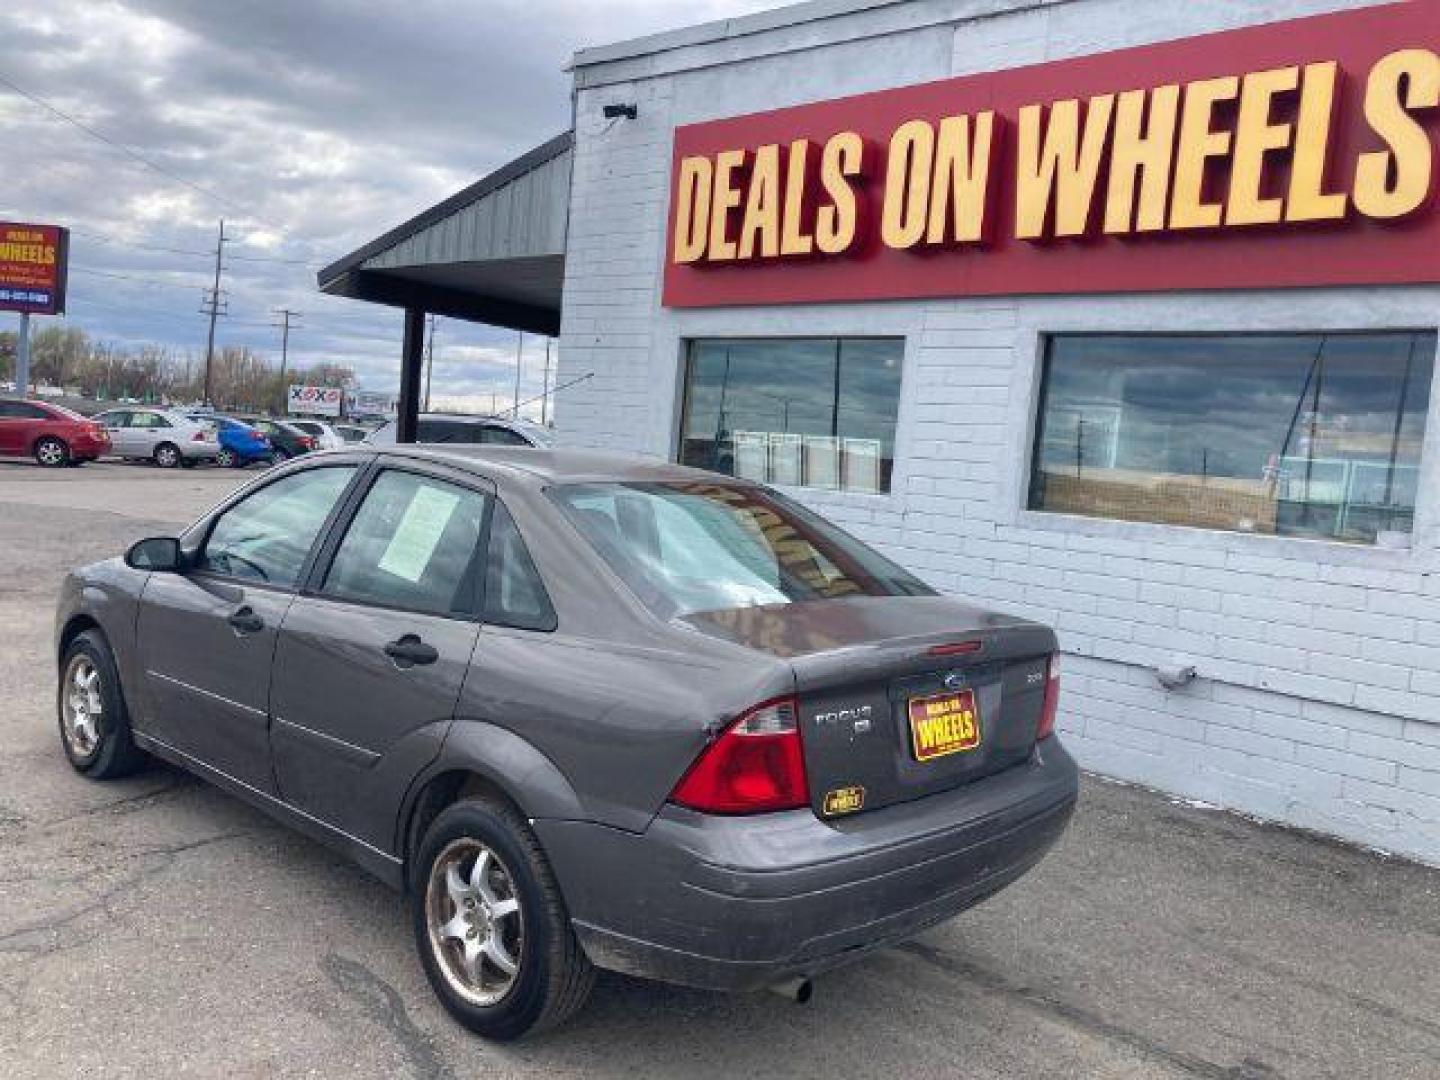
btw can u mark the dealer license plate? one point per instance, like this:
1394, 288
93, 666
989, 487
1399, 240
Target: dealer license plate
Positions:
944, 724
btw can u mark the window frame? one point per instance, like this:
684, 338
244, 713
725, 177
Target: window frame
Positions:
195, 539
314, 587
1042, 334
482, 583
903, 334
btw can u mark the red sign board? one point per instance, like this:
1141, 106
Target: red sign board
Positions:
1291, 154
33, 262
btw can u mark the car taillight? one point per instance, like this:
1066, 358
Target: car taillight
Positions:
1046, 727
756, 766
199, 436
307, 441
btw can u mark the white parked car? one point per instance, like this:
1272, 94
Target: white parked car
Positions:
169, 439
326, 437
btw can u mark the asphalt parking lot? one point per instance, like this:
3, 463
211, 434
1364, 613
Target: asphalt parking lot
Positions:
156, 927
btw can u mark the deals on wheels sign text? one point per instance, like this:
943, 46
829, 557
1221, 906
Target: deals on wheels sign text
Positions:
1290, 154
33, 268
315, 400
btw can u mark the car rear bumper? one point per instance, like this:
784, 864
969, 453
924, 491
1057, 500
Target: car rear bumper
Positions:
742, 903
199, 451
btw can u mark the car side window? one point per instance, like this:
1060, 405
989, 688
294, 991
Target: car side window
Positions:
498, 436
515, 595
411, 545
267, 536
114, 419
24, 410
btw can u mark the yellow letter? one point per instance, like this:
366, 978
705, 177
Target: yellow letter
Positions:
795, 240
1308, 200
726, 199
1198, 144
962, 176
762, 206
835, 224
1065, 168
1256, 135
1150, 154
1379, 193
907, 184
692, 209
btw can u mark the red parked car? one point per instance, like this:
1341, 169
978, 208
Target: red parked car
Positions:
51, 434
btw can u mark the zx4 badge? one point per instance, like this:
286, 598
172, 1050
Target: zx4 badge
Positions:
845, 800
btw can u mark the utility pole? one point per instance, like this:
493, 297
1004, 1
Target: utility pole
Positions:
213, 305
519, 352
287, 318
429, 361
545, 388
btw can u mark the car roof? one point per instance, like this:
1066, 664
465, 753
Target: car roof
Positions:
529, 466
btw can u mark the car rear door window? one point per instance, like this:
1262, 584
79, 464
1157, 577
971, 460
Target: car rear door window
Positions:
515, 595
267, 536
411, 545
498, 436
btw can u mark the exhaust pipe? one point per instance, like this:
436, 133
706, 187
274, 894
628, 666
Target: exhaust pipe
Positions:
798, 990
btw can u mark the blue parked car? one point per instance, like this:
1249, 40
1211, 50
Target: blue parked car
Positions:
240, 444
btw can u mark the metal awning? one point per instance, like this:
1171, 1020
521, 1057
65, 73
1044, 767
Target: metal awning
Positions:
493, 253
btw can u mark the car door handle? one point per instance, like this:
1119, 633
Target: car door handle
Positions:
410, 650
245, 621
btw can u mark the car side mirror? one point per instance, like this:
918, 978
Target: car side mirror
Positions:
158, 553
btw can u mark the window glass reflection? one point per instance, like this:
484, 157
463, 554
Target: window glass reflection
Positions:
1308, 435
798, 412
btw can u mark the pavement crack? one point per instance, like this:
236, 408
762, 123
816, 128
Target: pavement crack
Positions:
384, 1004
1084, 1019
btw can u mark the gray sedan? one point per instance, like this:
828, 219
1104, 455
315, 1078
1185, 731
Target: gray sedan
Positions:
167, 438
586, 710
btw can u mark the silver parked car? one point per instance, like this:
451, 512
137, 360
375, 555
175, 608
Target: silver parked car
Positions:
166, 437
454, 429
587, 710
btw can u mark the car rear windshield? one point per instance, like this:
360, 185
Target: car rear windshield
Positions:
697, 546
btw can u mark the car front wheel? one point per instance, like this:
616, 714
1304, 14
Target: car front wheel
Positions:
491, 926
52, 452
94, 723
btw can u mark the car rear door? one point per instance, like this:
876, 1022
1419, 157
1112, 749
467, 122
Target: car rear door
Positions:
370, 660
207, 637
13, 429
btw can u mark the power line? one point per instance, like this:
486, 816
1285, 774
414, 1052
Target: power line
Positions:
136, 245
132, 277
116, 144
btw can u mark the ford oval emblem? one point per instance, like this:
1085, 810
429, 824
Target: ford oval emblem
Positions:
954, 680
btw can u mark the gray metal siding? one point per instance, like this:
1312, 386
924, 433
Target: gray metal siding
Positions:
523, 218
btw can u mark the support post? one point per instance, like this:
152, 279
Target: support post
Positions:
22, 358
412, 362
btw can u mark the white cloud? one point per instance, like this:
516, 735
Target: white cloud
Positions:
320, 124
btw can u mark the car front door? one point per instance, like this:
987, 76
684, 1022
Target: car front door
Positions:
117, 424
207, 636
371, 658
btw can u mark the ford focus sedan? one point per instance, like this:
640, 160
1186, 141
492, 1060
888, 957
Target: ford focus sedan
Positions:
587, 711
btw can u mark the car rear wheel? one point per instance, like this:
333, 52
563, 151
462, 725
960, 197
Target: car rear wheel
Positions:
94, 722
52, 452
491, 926
167, 455
227, 458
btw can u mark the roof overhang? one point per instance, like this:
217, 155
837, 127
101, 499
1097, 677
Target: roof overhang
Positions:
492, 253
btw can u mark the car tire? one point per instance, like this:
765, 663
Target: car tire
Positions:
552, 975
227, 459
167, 456
52, 453
94, 722
279, 456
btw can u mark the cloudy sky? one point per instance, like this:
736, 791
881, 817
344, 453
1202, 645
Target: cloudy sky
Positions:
310, 125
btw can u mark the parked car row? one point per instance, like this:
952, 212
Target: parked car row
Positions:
174, 438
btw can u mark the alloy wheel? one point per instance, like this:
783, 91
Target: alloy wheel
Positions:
167, 457
475, 923
84, 708
50, 452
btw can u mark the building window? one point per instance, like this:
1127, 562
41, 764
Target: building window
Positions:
1304, 435
797, 412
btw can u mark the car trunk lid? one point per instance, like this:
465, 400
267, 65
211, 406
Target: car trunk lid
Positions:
900, 697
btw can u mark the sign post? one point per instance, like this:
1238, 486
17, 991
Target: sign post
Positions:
33, 271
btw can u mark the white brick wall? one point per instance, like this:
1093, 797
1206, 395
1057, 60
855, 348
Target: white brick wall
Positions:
1318, 701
